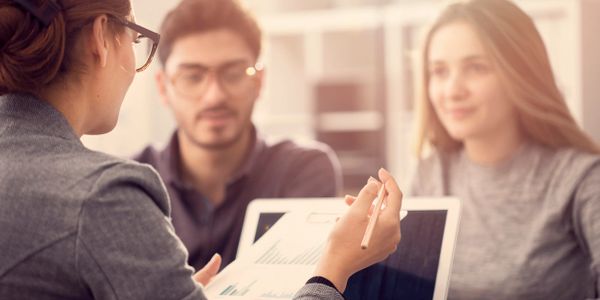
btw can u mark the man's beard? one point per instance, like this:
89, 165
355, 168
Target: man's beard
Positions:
215, 146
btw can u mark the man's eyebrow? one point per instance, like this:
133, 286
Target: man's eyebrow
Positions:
191, 65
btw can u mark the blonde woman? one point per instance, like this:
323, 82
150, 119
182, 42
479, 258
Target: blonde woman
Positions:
494, 131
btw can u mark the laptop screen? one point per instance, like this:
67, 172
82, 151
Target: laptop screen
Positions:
418, 269
409, 273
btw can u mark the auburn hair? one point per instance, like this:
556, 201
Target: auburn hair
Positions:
34, 55
517, 50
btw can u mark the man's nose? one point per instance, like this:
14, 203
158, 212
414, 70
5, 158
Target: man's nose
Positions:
214, 91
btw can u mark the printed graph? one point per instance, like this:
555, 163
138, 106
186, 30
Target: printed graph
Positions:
274, 256
235, 290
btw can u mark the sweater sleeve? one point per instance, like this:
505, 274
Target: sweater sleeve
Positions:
587, 225
317, 291
126, 245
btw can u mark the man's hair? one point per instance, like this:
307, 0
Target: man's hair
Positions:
197, 16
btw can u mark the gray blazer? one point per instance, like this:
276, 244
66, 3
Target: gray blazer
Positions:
79, 224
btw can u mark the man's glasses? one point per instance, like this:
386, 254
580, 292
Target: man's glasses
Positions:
145, 42
235, 78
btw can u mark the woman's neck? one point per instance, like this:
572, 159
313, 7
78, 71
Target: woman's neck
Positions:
494, 148
70, 102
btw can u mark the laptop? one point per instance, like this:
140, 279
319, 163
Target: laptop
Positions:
420, 267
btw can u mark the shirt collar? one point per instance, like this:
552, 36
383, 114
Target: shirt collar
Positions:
171, 157
257, 146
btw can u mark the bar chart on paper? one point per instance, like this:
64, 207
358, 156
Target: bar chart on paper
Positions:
278, 264
235, 290
243, 290
274, 256
257, 283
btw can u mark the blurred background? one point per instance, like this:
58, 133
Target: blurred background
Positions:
340, 71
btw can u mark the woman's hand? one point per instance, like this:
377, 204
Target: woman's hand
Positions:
343, 255
206, 274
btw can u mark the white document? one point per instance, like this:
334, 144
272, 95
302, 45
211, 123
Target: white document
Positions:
280, 262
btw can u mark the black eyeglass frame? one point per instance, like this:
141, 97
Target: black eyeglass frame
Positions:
144, 32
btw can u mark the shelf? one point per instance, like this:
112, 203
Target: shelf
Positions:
350, 121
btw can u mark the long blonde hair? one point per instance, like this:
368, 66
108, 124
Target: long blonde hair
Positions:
518, 52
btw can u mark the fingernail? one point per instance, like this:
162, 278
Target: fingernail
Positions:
371, 179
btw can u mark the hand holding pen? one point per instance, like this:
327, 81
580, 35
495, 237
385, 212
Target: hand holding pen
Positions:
343, 254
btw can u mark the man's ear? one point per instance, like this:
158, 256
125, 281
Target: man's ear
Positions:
98, 42
161, 84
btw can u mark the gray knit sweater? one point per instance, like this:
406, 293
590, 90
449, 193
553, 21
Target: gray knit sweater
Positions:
78, 224
530, 226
